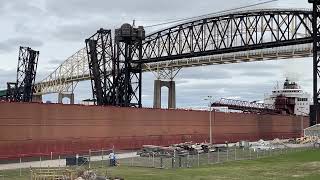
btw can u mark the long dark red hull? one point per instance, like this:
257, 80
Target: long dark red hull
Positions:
42, 129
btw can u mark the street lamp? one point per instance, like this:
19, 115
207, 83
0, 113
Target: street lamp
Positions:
210, 99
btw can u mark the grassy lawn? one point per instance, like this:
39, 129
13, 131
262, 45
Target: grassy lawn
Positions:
295, 165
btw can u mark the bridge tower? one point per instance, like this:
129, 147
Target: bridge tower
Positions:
315, 108
128, 48
100, 59
165, 78
22, 89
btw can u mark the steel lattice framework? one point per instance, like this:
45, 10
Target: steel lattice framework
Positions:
66, 77
100, 59
22, 89
241, 31
255, 35
245, 106
315, 108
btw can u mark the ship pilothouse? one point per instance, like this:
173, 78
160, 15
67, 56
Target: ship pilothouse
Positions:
299, 99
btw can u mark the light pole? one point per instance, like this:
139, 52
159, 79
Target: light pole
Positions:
209, 98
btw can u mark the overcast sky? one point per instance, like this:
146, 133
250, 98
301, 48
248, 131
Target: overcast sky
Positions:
57, 28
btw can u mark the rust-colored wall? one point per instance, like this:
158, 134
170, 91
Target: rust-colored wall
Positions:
34, 129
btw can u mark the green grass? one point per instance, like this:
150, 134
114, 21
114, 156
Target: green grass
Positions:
295, 165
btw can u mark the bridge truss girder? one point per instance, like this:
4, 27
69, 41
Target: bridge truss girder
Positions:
229, 33
75, 69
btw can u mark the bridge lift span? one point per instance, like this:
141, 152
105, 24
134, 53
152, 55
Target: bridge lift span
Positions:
22, 90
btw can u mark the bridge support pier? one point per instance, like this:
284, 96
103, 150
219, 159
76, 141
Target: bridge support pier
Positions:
171, 85
63, 95
37, 98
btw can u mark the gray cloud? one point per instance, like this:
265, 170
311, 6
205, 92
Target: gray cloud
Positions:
83, 7
14, 43
55, 62
257, 74
22, 8
7, 76
76, 32
213, 72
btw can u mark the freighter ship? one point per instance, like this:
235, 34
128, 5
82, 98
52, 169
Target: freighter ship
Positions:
37, 129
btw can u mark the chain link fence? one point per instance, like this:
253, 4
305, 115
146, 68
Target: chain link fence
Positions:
99, 159
196, 160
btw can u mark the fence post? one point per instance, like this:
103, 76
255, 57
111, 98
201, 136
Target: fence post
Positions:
218, 156
40, 162
188, 160
153, 159
208, 162
227, 153
161, 162
198, 160
51, 155
249, 153
132, 161
102, 157
235, 153
257, 154
244, 157
89, 158
20, 166
59, 161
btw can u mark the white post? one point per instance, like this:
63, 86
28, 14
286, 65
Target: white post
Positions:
51, 155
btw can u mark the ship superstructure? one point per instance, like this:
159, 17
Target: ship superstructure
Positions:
297, 99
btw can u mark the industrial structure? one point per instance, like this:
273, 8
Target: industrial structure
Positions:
315, 108
114, 62
22, 90
244, 36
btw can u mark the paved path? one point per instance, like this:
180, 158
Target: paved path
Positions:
59, 163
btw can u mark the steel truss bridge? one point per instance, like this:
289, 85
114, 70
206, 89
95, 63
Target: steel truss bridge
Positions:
246, 36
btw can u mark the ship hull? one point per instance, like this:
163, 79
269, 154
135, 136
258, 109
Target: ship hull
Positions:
45, 129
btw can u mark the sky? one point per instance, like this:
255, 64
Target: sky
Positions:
58, 28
